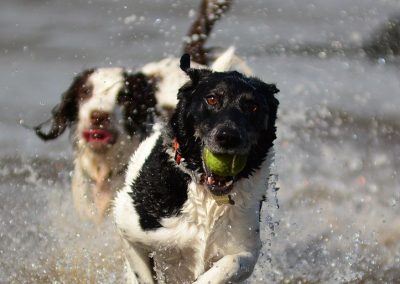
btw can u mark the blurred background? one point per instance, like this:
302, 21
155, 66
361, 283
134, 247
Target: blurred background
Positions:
337, 155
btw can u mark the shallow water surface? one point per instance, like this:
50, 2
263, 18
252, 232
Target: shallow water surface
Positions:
337, 153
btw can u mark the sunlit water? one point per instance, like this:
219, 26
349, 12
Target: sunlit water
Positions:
337, 155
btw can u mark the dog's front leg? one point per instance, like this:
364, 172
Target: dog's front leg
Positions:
80, 187
102, 196
230, 269
138, 266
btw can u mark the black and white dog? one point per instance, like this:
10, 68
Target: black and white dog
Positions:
173, 229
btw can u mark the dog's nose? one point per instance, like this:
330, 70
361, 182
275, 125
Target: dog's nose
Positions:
99, 118
228, 138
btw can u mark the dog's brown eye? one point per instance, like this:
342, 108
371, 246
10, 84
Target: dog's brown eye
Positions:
253, 107
84, 92
212, 100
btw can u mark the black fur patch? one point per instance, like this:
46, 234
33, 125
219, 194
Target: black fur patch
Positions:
138, 102
160, 190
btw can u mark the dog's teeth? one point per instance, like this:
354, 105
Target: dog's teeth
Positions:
229, 183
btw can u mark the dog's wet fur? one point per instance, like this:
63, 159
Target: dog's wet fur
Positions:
109, 110
242, 121
227, 112
228, 127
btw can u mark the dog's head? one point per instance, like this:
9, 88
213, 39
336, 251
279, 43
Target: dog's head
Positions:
226, 113
92, 105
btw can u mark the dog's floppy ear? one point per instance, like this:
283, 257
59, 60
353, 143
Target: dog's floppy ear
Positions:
194, 74
268, 91
62, 115
271, 89
185, 66
66, 111
185, 62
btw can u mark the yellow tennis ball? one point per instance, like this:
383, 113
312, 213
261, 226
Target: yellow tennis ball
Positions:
224, 164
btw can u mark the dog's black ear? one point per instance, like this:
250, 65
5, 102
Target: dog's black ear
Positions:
195, 75
272, 89
185, 66
185, 62
66, 111
269, 90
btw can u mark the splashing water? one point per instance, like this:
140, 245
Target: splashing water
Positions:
337, 154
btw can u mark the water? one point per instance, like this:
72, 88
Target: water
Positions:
338, 150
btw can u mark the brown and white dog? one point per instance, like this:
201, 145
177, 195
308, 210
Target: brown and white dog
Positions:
110, 110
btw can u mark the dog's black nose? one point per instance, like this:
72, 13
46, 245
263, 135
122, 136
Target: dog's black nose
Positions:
228, 138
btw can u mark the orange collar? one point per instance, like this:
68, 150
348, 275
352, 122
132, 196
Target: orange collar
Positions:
175, 146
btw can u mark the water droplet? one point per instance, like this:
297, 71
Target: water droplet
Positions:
322, 55
192, 13
381, 61
130, 19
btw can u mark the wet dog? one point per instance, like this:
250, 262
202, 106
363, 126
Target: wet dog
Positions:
110, 110
174, 228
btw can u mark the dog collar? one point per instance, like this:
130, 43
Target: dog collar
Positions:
175, 146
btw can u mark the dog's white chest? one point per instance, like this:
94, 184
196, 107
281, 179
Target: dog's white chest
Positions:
198, 237
189, 244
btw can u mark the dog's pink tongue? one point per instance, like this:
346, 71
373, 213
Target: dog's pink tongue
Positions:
210, 180
97, 135
218, 181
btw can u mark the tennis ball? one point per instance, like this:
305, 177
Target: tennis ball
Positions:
224, 164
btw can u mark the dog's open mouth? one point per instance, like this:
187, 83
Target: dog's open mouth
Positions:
218, 185
221, 171
98, 136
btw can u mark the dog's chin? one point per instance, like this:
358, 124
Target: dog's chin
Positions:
99, 140
218, 185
